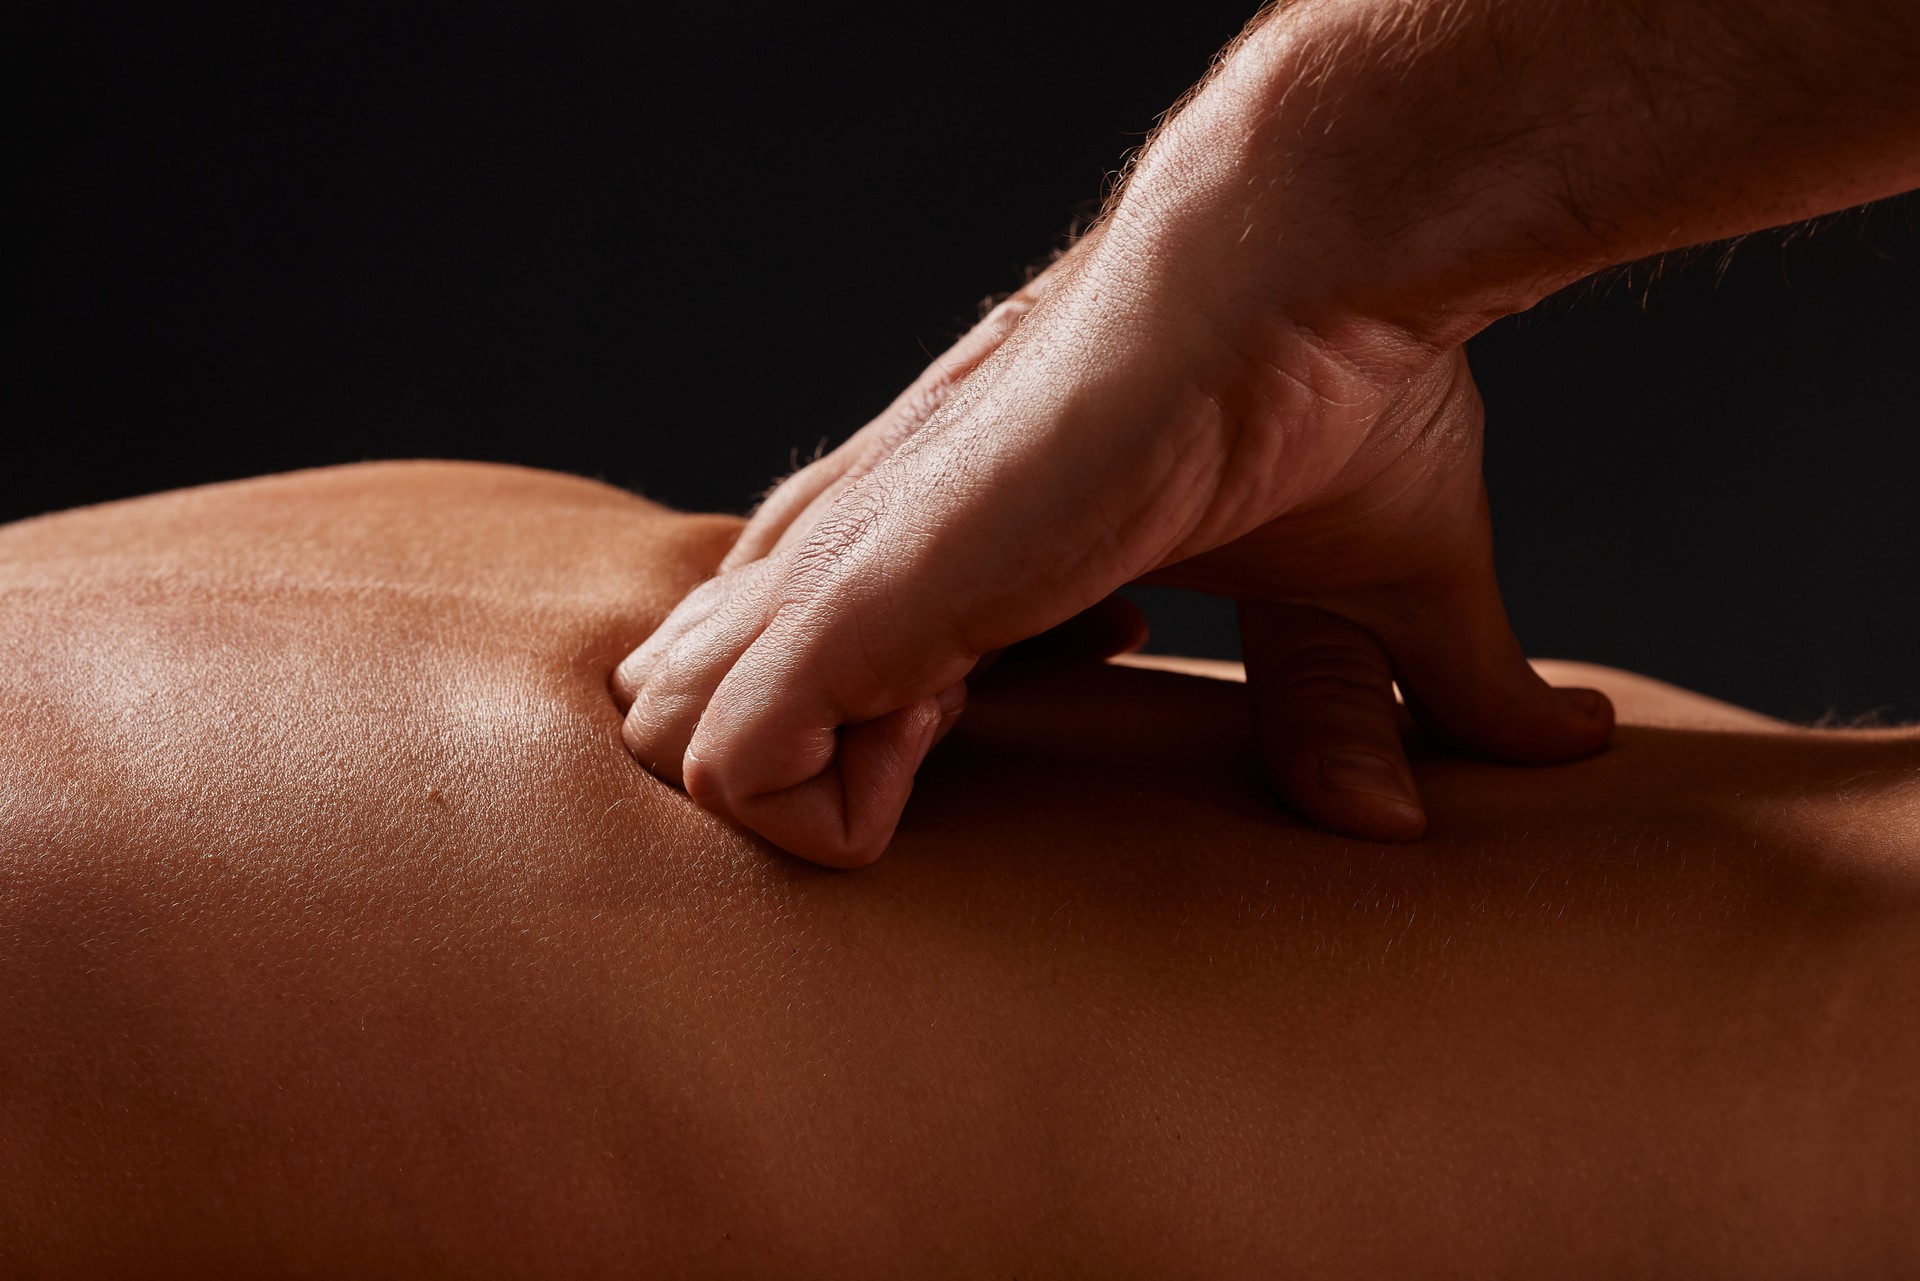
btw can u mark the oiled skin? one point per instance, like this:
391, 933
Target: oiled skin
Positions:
339, 935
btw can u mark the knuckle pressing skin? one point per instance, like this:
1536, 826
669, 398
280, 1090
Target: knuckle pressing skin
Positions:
663, 714
634, 670
666, 676
813, 572
745, 742
704, 781
647, 735
644, 722
647, 663
640, 740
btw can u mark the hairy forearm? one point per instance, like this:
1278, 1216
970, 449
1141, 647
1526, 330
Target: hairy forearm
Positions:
1474, 155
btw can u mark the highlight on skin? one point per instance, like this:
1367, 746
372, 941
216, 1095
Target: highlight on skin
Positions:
344, 937
1251, 381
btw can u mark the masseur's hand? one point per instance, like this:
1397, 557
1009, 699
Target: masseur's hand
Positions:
1251, 382
1107, 423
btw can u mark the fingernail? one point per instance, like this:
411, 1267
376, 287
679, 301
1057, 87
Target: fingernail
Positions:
929, 730
1365, 773
953, 698
1590, 703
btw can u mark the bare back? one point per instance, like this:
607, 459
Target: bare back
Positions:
340, 935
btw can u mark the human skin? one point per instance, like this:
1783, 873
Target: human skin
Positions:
341, 935
1253, 383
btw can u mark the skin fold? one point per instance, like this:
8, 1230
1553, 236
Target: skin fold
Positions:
342, 935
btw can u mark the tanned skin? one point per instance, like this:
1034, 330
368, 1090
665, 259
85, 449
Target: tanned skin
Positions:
1252, 382
342, 936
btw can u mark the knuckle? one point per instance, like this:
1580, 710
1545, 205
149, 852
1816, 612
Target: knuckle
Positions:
660, 718
643, 742
638, 737
626, 682
651, 689
705, 780
638, 667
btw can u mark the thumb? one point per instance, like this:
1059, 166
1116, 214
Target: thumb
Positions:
1468, 682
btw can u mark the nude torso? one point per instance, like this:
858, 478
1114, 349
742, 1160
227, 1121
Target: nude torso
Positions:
341, 935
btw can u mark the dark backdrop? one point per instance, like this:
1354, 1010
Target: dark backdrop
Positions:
671, 248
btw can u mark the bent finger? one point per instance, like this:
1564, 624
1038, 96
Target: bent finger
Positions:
844, 816
671, 693
694, 609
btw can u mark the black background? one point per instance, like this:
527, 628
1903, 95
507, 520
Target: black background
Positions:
671, 249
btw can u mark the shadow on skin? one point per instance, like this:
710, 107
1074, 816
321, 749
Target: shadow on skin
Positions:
1158, 769
342, 929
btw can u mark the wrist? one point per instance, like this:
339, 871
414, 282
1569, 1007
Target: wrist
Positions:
1294, 178
1440, 164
